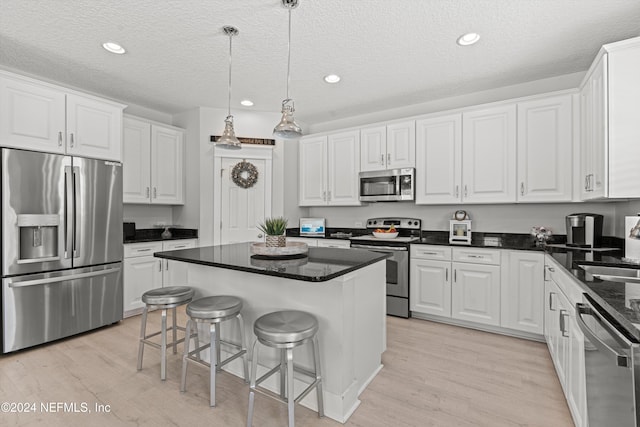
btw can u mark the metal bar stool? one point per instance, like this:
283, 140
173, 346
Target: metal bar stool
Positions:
164, 299
213, 310
286, 330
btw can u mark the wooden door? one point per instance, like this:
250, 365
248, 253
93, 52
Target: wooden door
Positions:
242, 209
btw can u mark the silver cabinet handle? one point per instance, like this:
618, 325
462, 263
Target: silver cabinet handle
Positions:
324, 196
329, 195
592, 182
144, 250
522, 188
147, 191
382, 159
551, 294
155, 192
60, 139
455, 276
71, 139
465, 190
159, 265
388, 159
563, 325
446, 274
586, 182
475, 256
166, 265
457, 191
429, 253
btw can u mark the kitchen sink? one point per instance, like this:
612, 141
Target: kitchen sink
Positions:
613, 274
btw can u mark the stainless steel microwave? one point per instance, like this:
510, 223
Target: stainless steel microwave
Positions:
390, 185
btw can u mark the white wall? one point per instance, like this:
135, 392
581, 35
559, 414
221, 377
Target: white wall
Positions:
148, 216
188, 215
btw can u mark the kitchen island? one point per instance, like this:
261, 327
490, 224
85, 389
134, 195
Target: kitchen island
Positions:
344, 288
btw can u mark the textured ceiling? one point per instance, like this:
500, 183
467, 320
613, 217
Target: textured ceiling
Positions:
389, 53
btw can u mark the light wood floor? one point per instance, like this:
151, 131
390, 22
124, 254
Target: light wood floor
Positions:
434, 375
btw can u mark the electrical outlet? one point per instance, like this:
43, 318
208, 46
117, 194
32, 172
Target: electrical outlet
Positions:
358, 224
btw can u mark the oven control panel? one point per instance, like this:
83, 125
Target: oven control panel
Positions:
399, 223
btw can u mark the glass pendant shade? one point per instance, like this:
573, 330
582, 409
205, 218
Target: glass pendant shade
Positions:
287, 128
228, 139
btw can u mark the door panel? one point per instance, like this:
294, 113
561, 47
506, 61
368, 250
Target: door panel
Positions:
475, 294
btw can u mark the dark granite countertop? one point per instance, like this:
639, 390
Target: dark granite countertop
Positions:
612, 297
155, 234
320, 265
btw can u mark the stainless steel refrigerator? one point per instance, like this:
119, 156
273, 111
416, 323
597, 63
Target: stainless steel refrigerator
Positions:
61, 246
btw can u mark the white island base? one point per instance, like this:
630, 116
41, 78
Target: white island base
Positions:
351, 313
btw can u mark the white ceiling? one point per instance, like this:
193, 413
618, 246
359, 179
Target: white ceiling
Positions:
389, 53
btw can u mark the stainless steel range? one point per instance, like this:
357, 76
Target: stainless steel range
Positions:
409, 230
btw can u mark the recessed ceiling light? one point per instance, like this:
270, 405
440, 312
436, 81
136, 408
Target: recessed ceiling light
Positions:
113, 48
468, 39
332, 78
246, 103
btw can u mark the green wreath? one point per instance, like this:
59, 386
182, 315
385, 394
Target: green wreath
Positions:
244, 174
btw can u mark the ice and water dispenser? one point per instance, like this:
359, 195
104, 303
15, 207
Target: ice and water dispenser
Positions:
38, 238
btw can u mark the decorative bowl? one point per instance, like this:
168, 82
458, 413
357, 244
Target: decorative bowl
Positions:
385, 235
292, 248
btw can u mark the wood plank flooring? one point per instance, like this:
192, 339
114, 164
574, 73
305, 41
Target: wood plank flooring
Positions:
434, 375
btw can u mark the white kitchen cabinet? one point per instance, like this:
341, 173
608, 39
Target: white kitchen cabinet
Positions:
522, 291
439, 159
143, 271
391, 146
328, 170
334, 243
489, 155
475, 293
564, 338
610, 98
153, 163
545, 149
430, 278
42, 117
309, 241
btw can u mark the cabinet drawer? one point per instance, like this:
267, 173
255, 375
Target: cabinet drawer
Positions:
178, 244
334, 243
132, 250
442, 253
477, 256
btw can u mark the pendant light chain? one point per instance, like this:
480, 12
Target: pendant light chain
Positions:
289, 56
230, 56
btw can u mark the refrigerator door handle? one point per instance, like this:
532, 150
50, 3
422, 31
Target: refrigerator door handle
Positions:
76, 211
34, 282
68, 219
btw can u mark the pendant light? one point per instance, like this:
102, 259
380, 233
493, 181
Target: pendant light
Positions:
228, 139
288, 128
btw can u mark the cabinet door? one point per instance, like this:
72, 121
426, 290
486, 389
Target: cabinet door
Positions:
475, 293
140, 275
174, 273
599, 132
489, 155
430, 287
522, 291
586, 143
32, 117
136, 161
343, 151
312, 170
167, 165
401, 145
373, 148
545, 150
439, 159
94, 128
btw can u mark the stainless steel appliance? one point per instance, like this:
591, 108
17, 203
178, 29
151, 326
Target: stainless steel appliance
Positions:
61, 246
612, 360
409, 230
584, 230
387, 185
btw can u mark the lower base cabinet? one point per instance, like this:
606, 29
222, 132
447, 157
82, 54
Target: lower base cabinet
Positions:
430, 287
143, 271
475, 293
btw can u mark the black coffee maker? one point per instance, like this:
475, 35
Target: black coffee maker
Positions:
584, 230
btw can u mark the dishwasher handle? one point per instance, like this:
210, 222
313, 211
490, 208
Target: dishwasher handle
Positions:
621, 360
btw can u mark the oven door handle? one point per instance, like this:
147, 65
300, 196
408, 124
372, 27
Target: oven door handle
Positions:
380, 248
621, 360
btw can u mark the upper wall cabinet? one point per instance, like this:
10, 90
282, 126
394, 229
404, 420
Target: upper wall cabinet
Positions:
545, 150
153, 164
328, 169
610, 100
388, 147
489, 155
439, 159
43, 117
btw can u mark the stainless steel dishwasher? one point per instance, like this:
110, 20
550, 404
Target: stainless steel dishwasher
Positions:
612, 360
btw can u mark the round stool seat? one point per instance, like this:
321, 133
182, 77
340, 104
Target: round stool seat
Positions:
168, 295
283, 327
216, 307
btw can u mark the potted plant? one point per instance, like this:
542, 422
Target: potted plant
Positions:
274, 229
